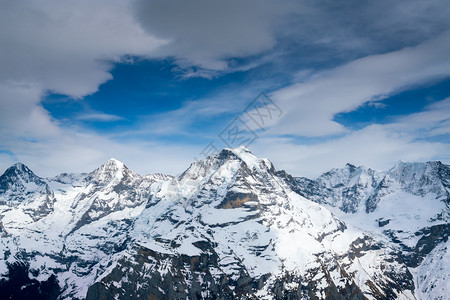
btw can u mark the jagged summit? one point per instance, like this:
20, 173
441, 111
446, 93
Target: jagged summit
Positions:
19, 169
112, 164
416, 169
245, 155
229, 163
113, 161
403, 166
19, 166
112, 169
345, 187
419, 172
351, 166
20, 186
241, 153
19, 179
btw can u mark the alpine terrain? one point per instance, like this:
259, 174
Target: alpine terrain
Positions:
230, 227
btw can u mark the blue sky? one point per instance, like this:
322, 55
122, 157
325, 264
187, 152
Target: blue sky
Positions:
153, 83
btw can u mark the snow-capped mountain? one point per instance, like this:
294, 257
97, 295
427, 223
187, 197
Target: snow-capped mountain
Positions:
409, 204
347, 188
230, 227
20, 187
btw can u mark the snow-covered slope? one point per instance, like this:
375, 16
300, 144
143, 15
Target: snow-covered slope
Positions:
86, 227
347, 188
409, 204
230, 227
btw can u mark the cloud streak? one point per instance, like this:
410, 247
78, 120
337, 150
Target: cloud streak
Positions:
100, 117
378, 146
310, 107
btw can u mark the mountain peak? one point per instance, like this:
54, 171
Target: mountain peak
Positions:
227, 154
244, 154
350, 166
402, 167
19, 170
399, 164
20, 167
241, 148
113, 161
18, 180
112, 164
237, 152
112, 168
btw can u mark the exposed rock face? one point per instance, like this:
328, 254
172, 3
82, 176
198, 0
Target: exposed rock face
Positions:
19, 186
231, 227
345, 188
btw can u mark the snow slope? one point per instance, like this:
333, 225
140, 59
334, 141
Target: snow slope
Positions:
231, 226
408, 205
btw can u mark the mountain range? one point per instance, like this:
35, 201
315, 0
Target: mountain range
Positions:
231, 226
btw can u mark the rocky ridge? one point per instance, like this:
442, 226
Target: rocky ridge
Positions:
231, 227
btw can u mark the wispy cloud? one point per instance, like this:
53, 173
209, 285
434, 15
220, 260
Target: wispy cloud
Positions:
310, 107
99, 117
377, 145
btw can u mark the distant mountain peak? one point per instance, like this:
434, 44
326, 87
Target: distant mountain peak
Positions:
212, 163
111, 169
400, 164
19, 167
114, 161
350, 166
244, 154
410, 169
234, 152
112, 164
240, 149
19, 170
403, 166
19, 183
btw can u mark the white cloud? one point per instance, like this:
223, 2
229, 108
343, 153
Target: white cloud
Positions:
63, 47
20, 112
82, 152
100, 117
433, 121
378, 146
309, 107
208, 33
66, 46
205, 32
5, 161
